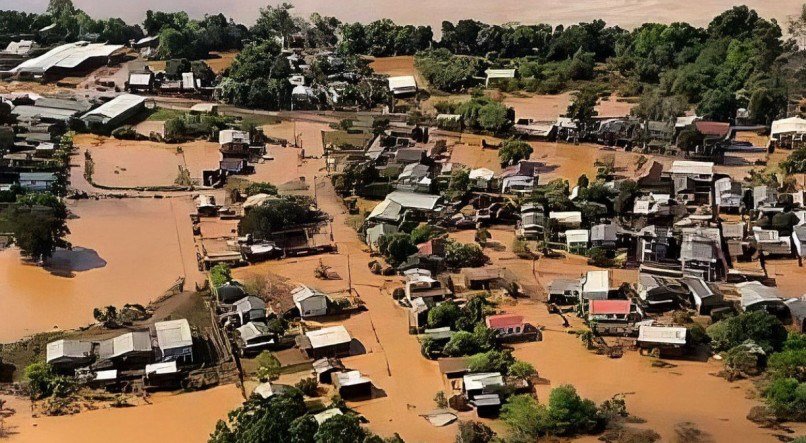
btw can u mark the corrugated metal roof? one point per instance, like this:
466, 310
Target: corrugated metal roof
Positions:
115, 107
173, 334
68, 55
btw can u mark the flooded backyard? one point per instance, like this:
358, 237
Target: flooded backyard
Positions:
124, 251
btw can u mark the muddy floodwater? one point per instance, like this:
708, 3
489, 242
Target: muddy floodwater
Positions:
186, 417
625, 13
124, 251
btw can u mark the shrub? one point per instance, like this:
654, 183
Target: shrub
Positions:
522, 369
491, 361
474, 432
268, 366
787, 398
41, 380
220, 274
763, 328
308, 386
513, 151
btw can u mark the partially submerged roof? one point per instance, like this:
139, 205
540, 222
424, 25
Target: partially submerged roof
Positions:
788, 125
303, 292
576, 236
326, 414
253, 330
173, 334
332, 336
503, 321
168, 367
139, 341
232, 136
566, 216
483, 380
414, 200
672, 335
716, 129
604, 232
350, 378
453, 365
500, 73
68, 349
481, 173
402, 83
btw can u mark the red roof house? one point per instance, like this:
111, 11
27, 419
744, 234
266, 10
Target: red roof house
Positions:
505, 322
713, 129
609, 310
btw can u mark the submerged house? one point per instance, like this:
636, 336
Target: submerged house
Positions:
477, 384
704, 297
410, 205
69, 354
352, 385
131, 348
664, 338
595, 285
332, 341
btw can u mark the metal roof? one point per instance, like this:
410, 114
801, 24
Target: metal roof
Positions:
68, 349
500, 73
754, 292
327, 414
576, 236
483, 380
173, 334
334, 335
350, 378
303, 292
253, 330
115, 107
662, 334
402, 82
786, 125
692, 167
68, 56
139, 341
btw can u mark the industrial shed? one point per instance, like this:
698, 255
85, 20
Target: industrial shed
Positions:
115, 112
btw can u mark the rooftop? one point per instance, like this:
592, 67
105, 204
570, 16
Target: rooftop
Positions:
334, 335
605, 307
662, 334
173, 334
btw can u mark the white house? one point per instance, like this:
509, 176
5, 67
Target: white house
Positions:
310, 302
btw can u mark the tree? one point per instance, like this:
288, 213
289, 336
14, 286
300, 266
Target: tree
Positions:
38, 223
459, 184
444, 314
424, 232
490, 361
340, 429
464, 255
787, 398
523, 416
795, 163
474, 432
108, 316
268, 366
275, 21
260, 188
522, 369
396, 247
583, 107
461, 343
690, 139
513, 151
283, 213
763, 328
494, 117
220, 274
445, 71
261, 420
303, 429
718, 104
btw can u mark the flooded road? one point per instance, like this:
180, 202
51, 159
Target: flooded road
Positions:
125, 251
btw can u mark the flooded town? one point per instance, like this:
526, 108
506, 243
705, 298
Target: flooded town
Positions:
339, 222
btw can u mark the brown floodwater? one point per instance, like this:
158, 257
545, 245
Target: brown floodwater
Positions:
124, 251
626, 13
186, 417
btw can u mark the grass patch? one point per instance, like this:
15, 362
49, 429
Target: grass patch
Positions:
163, 114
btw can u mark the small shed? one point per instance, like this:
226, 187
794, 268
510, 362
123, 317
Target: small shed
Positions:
402, 85
506, 324
596, 285
248, 309
576, 240
310, 302
663, 338
352, 385
487, 405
